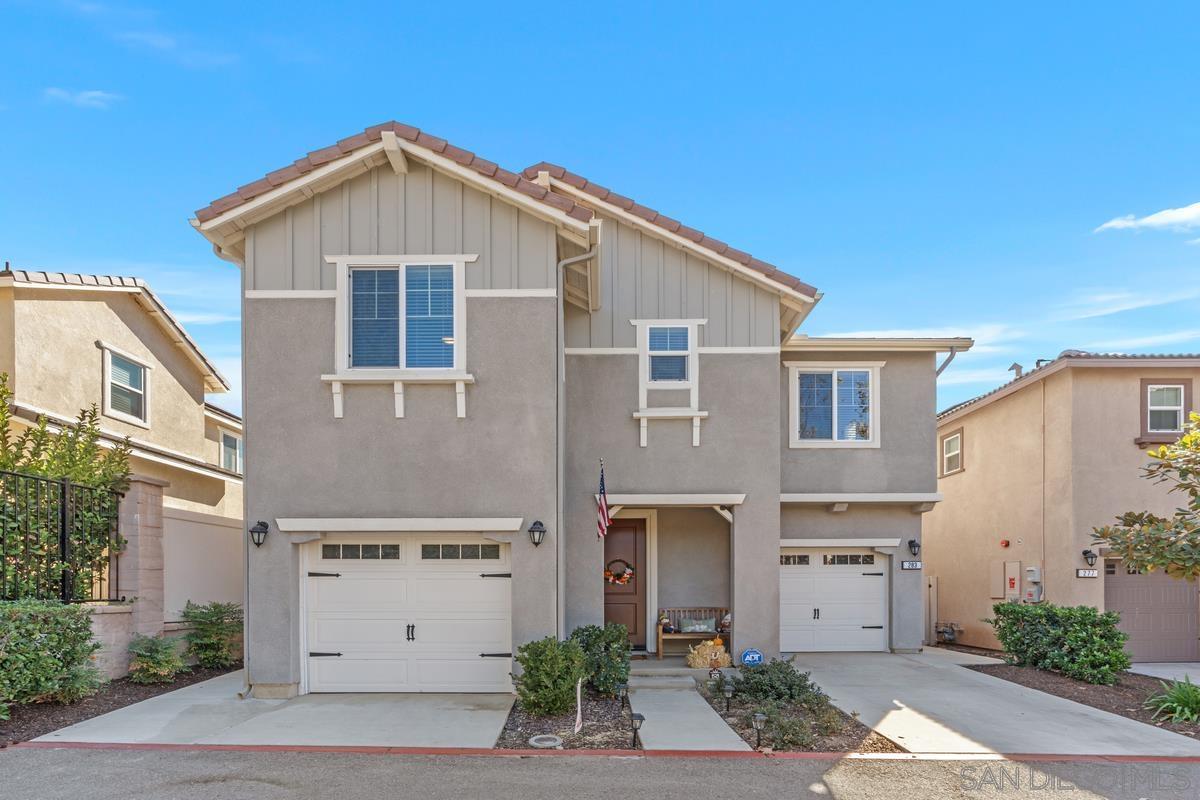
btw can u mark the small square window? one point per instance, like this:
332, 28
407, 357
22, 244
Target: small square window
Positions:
470, 551
390, 551
490, 552
430, 552
331, 551
793, 560
868, 559
351, 551
370, 551
1110, 568
450, 551
668, 350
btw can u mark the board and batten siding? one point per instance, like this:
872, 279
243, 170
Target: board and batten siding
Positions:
382, 213
643, 277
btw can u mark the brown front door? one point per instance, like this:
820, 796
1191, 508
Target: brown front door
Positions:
624, 548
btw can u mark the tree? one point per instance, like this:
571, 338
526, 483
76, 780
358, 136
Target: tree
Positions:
1148, 542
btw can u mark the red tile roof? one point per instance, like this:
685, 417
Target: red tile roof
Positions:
521, 183
671, 225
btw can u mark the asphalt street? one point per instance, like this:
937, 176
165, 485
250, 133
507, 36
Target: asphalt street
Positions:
27, 774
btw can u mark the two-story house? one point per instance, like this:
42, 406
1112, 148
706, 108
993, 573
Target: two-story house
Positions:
69, 342
439, 353
1028, 470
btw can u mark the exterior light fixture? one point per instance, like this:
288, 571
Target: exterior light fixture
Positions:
258, 534
914, 547
537, 532
727, 690
623, 693
759, 722
635, 722
1089, 556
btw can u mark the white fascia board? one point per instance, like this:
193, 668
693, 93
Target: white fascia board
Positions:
399, 524
832, 343
681, 500
839, 543
801, 498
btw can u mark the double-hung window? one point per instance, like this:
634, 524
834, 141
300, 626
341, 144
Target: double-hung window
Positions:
231, 451
667, 352
402, 317
1164, 408
952, 455
126, 387
834, 405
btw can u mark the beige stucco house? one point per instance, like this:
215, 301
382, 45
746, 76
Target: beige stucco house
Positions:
1028, 470
70, 341
438, 353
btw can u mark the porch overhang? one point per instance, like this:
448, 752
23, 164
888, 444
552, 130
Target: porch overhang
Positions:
308, 529
836, 502
717, 502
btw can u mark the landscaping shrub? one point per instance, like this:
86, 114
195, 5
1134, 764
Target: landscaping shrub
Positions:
1077, 641
549, 672
783, 731
1179, 701
46, 651
606, 655
778, 682
154, 659
213, 635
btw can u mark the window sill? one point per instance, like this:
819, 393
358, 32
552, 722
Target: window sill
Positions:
958, 471
1147, 439
644, 415
819, 444
401, 375
128, 419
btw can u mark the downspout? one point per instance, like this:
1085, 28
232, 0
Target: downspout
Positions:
946, 363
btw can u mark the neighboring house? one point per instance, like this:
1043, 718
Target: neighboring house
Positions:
68, 342
1029, 469
438, 353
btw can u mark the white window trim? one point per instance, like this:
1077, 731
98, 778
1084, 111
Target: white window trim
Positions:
222, 432
106, 406
945, 455
1150, 407
692, 384
794, 370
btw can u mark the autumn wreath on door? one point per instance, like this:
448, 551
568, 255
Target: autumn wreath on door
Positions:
618, 572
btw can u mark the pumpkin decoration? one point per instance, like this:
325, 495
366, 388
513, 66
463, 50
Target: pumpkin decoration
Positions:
709, 654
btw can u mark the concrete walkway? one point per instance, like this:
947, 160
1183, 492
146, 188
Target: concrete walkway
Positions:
928, 703
211, 713
677, 717
1170, 671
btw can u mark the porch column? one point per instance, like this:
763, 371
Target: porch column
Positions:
140, 565
754, 549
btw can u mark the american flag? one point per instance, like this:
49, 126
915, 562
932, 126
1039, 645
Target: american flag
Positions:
602, 519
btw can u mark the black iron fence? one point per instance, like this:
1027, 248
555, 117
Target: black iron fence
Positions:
58, 539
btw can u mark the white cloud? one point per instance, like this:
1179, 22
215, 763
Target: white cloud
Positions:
205, 317
91, 98
152, 39
1170, 218
171, 47
1101, 303
1192, 241
1138, 342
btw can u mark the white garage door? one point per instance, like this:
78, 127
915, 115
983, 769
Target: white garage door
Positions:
832, 600
408, 613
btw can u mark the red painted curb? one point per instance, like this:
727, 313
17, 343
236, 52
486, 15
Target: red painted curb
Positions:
502, 753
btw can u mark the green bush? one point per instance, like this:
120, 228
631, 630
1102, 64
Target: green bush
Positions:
213, 635
606, 653
46, 652
1179, 701
778, 682
1077, 641
782, 731
549, 672
154, 659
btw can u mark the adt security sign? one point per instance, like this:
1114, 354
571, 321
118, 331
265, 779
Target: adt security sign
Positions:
751, 657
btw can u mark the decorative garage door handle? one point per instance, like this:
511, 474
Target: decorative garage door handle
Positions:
816, 613
495, 574
880, 574
495, 655
324, 574
874, 627
324, 655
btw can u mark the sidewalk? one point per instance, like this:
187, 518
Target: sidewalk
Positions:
677, 717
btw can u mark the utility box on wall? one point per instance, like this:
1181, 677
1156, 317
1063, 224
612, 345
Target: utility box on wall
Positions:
1012, 581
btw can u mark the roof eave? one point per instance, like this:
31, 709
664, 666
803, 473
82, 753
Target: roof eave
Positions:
800, 342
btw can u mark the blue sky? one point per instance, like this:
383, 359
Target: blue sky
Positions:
935, 169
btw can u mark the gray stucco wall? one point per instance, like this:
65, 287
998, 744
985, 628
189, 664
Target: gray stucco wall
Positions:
738, 452
904, 462
422, 212
693, 558
906, 623
498, 462
642, 277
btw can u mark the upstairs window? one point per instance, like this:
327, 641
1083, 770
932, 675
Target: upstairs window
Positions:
668, 353
418, 333
1164, 408
952, 456
834, 405
231, 451
126, 387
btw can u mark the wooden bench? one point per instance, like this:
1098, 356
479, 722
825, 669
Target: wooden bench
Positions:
675, 615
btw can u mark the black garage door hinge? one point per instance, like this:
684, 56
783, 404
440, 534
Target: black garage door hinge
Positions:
324, 655
324, 574
495, 655
495, 574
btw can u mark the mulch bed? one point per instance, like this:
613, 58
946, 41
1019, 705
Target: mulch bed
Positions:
606, 726
37, 719
854, 737
1124, 698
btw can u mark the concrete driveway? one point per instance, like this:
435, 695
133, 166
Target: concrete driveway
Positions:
928, 703
1170, 670
211, 713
